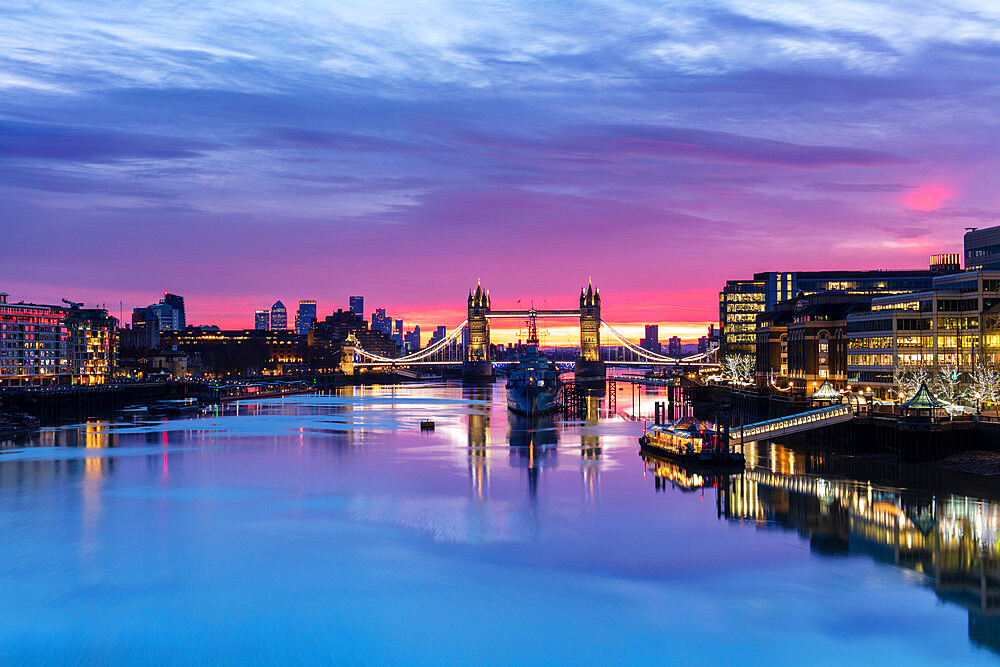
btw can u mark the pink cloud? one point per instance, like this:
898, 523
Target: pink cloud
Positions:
928, 197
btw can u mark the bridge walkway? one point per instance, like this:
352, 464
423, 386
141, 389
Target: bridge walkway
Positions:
804, 421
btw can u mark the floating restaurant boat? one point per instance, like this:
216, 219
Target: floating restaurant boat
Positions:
690, 441
533, 386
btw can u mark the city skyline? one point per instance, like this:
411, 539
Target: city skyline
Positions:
443, 136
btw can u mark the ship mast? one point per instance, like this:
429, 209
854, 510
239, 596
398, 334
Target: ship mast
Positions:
532, 329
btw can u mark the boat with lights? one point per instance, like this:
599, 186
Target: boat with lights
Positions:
689, 440
533, 387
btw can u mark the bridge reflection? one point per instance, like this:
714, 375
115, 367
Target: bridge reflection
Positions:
952, 540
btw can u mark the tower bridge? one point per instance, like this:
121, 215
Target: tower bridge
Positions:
477, 362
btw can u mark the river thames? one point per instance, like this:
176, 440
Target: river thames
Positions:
330, 528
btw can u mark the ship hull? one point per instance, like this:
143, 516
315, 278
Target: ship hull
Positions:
532, 400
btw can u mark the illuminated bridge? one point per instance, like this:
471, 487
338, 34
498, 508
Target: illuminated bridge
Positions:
804, 421
468, 344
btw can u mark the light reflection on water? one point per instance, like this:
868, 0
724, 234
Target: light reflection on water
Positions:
332, 526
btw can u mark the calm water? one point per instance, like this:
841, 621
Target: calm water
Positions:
330, 528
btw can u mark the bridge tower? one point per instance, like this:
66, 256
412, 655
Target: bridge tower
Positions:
589, 363
347, 354
477, 365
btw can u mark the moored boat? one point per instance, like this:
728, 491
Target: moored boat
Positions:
689, 440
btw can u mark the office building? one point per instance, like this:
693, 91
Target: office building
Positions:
262, 320
742, 300
279, 317
177, 303
357, 305
954, 324
982, 248
703, 345
674, 346
651, 341
305, 316
149, 322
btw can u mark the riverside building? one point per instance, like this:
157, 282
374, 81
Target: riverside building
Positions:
954, 324
43, 344
742, 300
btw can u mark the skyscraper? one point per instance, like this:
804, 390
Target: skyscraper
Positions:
438, 335
279, 316
674, 346
652, 340
305, 316
177, 303
381, 322
262, 320
358, 305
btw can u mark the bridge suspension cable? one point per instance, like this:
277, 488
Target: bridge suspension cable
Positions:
646, 354
415, 356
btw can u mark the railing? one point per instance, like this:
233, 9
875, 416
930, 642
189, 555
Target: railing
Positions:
804, 421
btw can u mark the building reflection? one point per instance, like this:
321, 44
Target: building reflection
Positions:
953, 540
590, 448
480, 399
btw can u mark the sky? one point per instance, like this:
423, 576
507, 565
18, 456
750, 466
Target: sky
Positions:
238, 152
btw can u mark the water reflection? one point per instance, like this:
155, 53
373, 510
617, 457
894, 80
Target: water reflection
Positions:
952, 540
533, 446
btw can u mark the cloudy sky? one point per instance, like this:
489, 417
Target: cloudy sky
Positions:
237, 152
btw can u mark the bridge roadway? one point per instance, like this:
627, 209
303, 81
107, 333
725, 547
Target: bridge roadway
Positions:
804, 421
537, 313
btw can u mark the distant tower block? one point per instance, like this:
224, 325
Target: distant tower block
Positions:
589, 363
478, 366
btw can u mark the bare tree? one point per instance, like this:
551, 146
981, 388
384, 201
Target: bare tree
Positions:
739, 368
986, 384
949, 384
908, 380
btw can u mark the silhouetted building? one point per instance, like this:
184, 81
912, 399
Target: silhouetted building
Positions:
262, 320
674, 346
651, 341
381, 322
703, 345
327, 336
279, 316
239, 353
438, 335
357, 305
397, 333
305, 316
411, 340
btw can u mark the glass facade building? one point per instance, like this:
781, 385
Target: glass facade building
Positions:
262, 320
305, 316
279, 316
